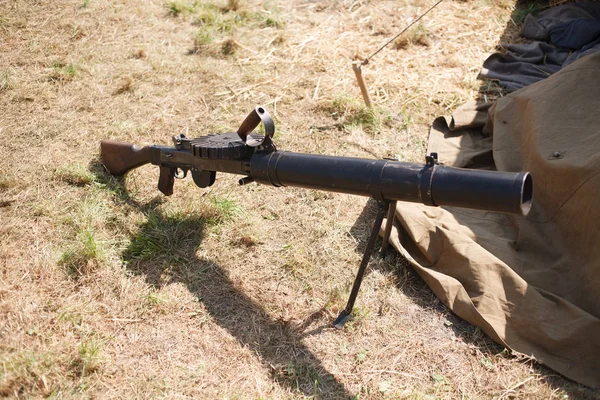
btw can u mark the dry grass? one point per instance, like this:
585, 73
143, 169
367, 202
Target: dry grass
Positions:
109, 290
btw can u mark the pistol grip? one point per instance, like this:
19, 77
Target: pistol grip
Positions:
166, 180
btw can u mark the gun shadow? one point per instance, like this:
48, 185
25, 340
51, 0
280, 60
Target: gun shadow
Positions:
278, 343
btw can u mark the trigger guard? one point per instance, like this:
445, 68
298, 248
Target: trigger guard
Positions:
180, 173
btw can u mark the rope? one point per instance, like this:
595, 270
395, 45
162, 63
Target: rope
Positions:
366, 60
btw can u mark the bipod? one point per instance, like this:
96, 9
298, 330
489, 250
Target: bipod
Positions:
384, 206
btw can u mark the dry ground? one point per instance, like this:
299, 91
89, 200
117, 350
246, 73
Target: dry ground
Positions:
110, 290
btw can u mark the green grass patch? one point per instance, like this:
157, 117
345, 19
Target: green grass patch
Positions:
89, 352
487, 363
171, 237
217, 18
83, 256
86, 216
28, 373
223, 209
93, 213
75, 174
156, 298
359, 315
177, 8
352, 112
62, 72
216, 22
203, 39
273, 21
360, 357
262, 19
105, 181
5, 81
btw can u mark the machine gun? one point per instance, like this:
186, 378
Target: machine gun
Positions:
255, 157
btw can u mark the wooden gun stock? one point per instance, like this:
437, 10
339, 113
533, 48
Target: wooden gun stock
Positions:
119, 158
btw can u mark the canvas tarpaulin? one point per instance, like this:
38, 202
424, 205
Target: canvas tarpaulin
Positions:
531, 283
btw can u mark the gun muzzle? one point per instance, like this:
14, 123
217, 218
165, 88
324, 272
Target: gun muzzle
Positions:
507, 192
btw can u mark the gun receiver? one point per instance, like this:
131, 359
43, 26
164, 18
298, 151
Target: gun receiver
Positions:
255, 157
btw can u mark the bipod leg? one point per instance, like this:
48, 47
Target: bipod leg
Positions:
345, 314
389, 224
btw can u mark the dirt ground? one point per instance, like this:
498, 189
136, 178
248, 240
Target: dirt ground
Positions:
110, 290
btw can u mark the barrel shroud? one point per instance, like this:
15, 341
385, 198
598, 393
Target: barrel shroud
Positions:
431, 183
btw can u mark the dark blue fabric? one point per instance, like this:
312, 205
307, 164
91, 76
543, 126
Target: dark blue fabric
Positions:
569, 32
575, 34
